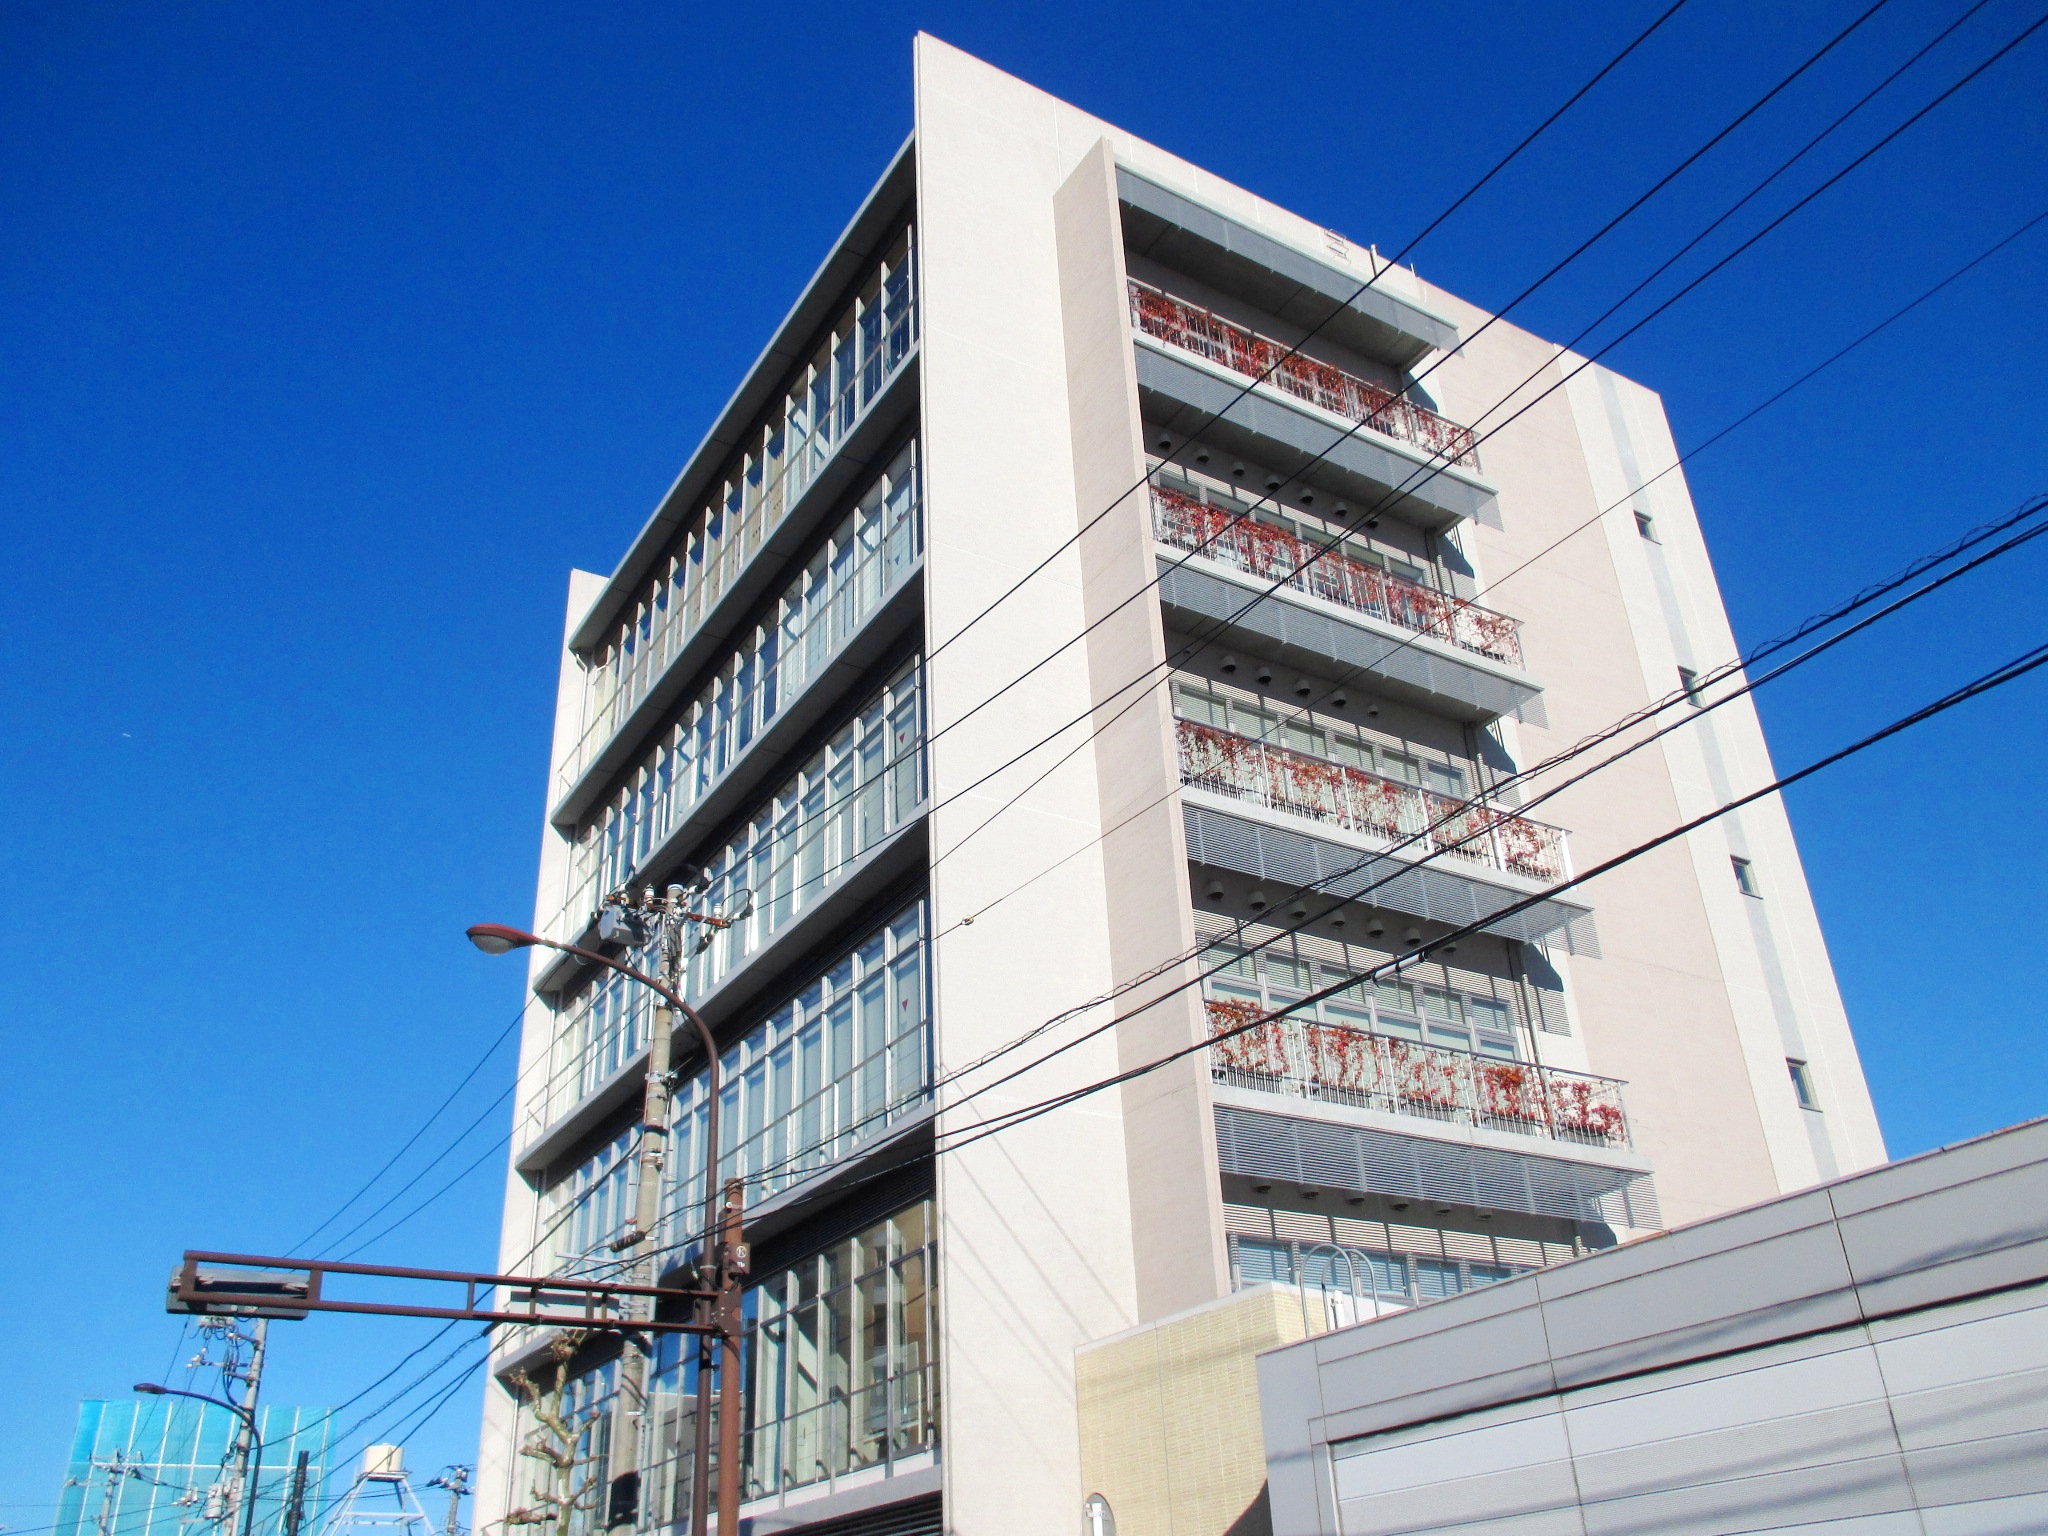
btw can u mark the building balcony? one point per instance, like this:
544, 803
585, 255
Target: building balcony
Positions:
1273, 555
1298, 287
1207, 334
1279, 779
1329, 1063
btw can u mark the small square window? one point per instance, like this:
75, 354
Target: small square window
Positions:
1745, 877
1689, 680
1802, 1083
1647, 527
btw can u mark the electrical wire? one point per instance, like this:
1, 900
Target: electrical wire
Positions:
413, 1140
1998, 677
1911, 571
446, 1152
1491, 320
1428, 471
1357, 293
1218, 626
956, 634
1754, 411
1707, 681
806, 836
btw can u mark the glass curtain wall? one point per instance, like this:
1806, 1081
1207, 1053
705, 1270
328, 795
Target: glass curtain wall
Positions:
865, 558
845, 1057
863, 784
1362, 1272
864, 349
841, 1368
158, 1467
589, 1206
1298, 728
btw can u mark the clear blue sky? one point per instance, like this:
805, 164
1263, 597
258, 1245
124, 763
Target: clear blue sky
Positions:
334, 336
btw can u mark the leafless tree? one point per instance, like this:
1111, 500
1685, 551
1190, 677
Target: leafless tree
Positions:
567, 1482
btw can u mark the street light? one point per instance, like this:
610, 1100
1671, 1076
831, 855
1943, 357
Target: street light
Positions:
254, 1470
499, 939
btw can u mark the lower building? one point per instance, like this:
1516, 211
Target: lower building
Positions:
1870, 1356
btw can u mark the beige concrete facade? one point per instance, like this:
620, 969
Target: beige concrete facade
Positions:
1169, 1414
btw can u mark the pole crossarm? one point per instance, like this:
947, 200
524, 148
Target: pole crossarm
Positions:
538, 1300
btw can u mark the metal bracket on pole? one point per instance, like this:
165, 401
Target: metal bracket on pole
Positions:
286, 1287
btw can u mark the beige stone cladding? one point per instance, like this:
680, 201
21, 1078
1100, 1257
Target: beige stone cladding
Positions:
1169, 1415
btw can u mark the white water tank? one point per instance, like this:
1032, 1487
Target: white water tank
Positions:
384, 1463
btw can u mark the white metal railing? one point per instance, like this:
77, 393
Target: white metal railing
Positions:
1273, 554
1207, 334
1285, 780
1331, 1063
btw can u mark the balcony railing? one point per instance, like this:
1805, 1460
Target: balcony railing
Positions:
1285, 780
1333, 1064
1207, 334
1272, 554
821, 609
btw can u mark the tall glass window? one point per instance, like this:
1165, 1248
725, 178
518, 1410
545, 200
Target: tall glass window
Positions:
592, 1206
845, 1057
864, 783
841, 1368
866, 557
788, 445
1361, 1272
861, 786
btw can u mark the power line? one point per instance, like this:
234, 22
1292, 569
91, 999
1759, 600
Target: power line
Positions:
1821, 620
1357, 293
1351, 673
1217, 626
1491, 320
1997, 677
1427, 471
413, 1140
807, 836
1721, 674
461, 1136
1141, 483
2011, 671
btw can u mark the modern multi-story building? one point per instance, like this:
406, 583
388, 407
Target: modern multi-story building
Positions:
1051, 657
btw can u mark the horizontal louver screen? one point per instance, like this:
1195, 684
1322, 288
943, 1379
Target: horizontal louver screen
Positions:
1200, 595
1296, 859
1352, 1157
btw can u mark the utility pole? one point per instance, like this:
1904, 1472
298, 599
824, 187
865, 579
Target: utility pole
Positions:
456, 1481
292, 1287
658, 921
251, 1379
734, 1262
116, 1469
295, 1501
241, 1382
629, 1412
